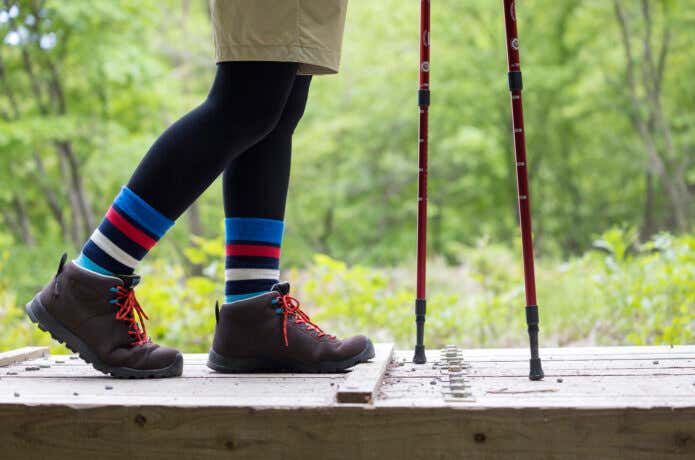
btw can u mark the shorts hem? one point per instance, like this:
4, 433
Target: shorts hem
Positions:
312, 61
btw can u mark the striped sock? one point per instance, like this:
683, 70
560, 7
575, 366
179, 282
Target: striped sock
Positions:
252, 263
130, 228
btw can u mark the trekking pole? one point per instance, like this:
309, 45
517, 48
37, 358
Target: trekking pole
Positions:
515, 87
423, 103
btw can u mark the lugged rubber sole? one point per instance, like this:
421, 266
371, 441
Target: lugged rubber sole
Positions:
39, 315
219, 363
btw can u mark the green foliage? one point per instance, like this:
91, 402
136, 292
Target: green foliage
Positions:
652, 290
624, 293
614, 297
17, 330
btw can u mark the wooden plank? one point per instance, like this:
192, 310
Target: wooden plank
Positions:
522, 364
552, 371
92, 390
344, 431
594, 354
572, 394
568, 351
363, 381
78, 369
22, 354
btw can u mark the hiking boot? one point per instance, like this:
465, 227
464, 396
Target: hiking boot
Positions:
270, 332
94, 315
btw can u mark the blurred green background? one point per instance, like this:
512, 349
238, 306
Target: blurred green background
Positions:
86, 87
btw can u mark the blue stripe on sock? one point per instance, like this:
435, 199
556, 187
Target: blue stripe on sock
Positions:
244, 286
254, 229
143, 213
133, 222
85, 262
234, 298
251, 262
264, 243
105, 261
121, 240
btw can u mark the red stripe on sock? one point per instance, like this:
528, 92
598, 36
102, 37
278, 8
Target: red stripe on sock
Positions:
252, 250
129, 230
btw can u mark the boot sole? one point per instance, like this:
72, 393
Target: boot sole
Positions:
46, 322
219, 363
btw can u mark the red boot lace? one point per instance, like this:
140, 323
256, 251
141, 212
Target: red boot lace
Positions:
291, 306
129, 305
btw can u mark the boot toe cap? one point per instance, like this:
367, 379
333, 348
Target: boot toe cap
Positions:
358, 345
145, 357
162, 357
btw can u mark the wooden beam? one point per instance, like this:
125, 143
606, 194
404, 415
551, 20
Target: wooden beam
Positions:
364, 380
22, 354
340, 432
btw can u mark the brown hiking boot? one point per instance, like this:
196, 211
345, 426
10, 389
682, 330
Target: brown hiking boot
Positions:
270, 332
94, 315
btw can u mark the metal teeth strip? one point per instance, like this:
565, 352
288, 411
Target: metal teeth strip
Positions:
454, 370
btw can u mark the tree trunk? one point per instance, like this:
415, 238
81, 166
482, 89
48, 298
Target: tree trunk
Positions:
648, 226
195, 228
51, 198
22, 220
75, 221
11, 224
195, 223
76, 188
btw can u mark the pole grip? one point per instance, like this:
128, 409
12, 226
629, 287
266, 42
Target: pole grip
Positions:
420, 312
536, 369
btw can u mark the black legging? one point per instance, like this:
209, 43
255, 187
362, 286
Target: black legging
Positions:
252, 108
255, 183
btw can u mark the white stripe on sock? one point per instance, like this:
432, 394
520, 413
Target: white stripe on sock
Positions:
111, 249
239, 274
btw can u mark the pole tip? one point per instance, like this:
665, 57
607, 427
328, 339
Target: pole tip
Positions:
419, 357
536, 372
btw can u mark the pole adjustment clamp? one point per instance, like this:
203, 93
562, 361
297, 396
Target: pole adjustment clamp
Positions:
423, 98
515, 83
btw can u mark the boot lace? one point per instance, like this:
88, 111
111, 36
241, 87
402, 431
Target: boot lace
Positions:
128, 307
289, 306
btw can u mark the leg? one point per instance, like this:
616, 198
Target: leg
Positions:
255, 190
244, 105
97, 314
261, 327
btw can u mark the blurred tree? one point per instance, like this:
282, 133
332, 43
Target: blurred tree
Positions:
645, 93
54, 78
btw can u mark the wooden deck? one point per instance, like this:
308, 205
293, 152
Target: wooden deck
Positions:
594, 403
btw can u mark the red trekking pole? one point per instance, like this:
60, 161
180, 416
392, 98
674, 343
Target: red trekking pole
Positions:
515, 87
423, 103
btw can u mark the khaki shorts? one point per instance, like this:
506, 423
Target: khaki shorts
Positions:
309, 32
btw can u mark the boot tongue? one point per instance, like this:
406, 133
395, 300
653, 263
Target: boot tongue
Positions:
129, 281
283, 288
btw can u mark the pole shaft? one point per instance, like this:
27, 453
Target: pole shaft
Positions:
514, 65
422, 149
